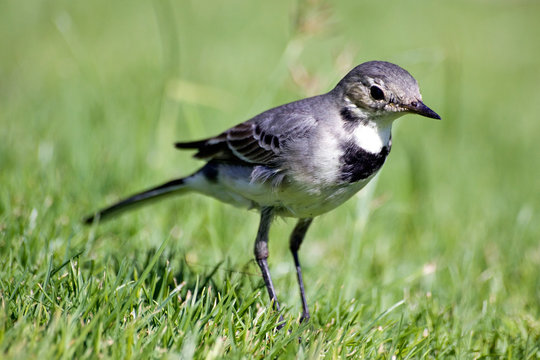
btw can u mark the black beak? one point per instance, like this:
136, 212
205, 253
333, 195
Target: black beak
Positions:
420, 108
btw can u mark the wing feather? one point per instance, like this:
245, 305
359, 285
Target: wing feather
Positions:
260, 140
245, 142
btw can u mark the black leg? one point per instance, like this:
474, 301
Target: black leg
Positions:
261, 254
294, 244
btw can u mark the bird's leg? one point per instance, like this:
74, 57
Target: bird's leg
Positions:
261, 253
294, 244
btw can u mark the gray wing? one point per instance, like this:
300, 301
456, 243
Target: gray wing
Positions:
260, 140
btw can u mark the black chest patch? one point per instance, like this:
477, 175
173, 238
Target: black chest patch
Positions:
358, 164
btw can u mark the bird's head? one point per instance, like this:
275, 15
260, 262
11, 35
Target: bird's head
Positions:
383, 90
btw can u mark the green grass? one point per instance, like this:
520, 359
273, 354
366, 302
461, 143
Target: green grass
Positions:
440, 260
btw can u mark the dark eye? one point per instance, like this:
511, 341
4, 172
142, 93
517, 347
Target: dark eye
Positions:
376, 93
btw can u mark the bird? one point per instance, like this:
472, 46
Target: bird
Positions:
298, 160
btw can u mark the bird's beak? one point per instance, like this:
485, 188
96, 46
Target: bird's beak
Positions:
418, 107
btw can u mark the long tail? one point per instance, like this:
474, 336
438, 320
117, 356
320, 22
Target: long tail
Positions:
137, 199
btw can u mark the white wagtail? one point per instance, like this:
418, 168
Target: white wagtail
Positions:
300, 159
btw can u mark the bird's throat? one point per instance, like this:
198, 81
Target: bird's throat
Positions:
373, 136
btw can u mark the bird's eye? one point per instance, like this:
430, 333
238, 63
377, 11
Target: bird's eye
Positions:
376, 93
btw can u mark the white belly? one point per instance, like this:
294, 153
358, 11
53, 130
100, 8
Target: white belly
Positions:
303, 204
233, 186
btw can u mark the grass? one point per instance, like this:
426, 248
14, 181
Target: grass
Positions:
439, 260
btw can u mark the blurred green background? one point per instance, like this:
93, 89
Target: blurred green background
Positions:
93, 95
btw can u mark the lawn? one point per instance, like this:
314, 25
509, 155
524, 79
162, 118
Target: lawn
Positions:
438, 258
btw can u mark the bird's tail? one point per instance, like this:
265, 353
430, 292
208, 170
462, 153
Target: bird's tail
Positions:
174, 186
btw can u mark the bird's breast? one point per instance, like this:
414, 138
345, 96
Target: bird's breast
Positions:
359, 164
